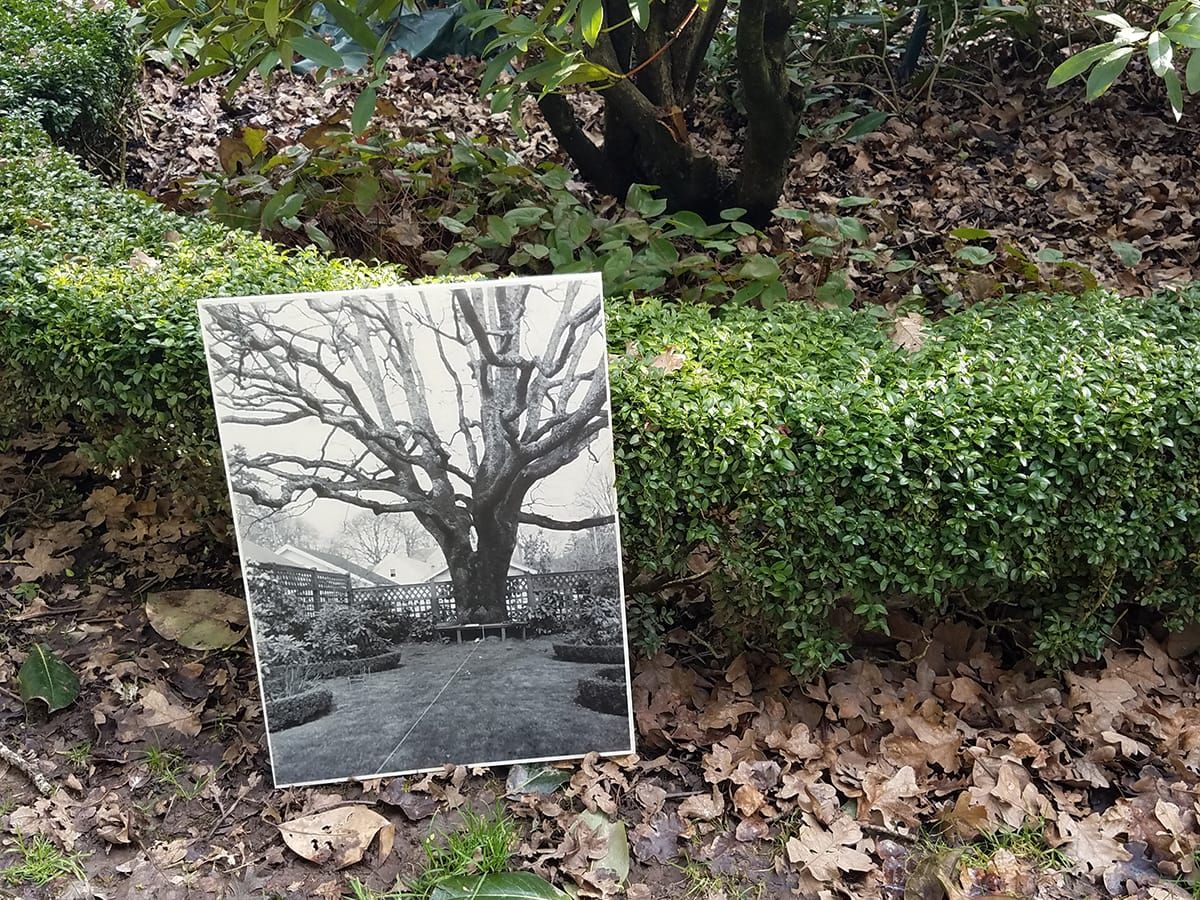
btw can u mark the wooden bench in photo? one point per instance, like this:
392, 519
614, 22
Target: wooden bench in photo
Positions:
480, 629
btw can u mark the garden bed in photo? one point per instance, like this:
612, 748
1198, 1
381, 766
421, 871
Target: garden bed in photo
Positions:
590, 653
288, 712
604, 691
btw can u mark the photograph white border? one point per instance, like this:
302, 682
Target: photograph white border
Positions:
590, 279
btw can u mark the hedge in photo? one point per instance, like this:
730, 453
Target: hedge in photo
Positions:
71, 70
288, 712
1035, 465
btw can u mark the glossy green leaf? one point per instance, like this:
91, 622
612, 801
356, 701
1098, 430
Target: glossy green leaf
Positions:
364, 109
867, 124
591, 20
353, 24
271, 17
1174, 92
1106, 71
1079, 63
971, 234
43, 676
640, 10
504, 886
1160, 52
317, 51
1193, 73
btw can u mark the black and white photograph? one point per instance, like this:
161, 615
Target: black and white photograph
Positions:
423, 490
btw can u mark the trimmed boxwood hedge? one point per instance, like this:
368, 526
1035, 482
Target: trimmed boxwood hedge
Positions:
97, 292
69, 68
1036, 465
288, 712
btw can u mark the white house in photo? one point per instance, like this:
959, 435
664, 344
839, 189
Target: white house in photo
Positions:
403, 569
514, 568
324, 561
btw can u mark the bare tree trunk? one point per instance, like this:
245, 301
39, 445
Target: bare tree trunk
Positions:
645, 129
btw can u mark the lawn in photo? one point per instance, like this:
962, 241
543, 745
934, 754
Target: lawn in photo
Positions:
422, 479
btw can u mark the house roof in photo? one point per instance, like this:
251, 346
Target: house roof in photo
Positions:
340, 563
403, 569
255, 552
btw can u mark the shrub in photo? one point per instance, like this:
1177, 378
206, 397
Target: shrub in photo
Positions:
288, 712
604, 691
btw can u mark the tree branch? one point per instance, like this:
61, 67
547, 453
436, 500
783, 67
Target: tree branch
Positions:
528, 518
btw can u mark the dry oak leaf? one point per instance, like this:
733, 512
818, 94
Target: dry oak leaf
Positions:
339, 836
825, 853
158, 711
890, 796
1091, 842
703, 806
908, 332
670, 360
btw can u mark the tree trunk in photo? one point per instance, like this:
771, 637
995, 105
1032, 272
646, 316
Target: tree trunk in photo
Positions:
480, 579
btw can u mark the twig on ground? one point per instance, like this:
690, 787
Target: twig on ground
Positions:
16, 760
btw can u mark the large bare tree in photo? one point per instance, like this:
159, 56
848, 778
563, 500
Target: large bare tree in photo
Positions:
449, 406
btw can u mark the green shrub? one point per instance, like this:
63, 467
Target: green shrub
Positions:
1035, 465
288, 712
70, 69
97, 310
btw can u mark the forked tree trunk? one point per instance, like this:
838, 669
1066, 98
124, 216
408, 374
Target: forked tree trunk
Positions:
646, 140
480, 574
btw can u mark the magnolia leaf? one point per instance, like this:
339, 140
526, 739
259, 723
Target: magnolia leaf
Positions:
43, 676
591, 15
1174, 92
271, 18
867, 124
1106, 72
503, 886
1193, 73
1079, 63
338, 836
353, 24
534, 780
198, 619
1112, 19
364, 108
317, 51
612, 832
1161, 54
